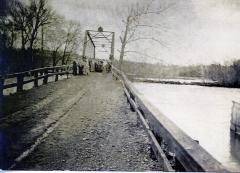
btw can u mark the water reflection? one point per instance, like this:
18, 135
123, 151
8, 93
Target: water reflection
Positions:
204, 113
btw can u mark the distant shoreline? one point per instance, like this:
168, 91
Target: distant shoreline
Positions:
183, 81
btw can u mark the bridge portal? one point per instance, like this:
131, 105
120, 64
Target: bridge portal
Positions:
98, 44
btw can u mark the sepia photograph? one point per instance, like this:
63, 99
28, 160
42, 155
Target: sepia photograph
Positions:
120, 85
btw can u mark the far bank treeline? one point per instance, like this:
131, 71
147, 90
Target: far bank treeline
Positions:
35, 36
226, 75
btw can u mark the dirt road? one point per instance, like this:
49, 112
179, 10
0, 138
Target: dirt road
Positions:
92, 129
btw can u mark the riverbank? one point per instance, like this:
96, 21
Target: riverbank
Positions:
184, 81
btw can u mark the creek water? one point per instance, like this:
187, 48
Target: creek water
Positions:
204, 113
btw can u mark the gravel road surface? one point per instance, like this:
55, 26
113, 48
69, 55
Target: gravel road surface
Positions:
94, 129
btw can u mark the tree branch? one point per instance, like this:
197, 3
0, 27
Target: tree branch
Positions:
144, 54
149, 38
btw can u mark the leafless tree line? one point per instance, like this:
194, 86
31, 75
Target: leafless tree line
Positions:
226, 75
33, 26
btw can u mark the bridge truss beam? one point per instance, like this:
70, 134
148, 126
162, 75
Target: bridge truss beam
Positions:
100, 39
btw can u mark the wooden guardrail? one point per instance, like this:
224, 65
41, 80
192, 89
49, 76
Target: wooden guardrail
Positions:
235, 118
34, 75
168, 137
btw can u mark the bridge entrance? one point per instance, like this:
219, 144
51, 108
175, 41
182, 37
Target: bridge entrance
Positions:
98, 48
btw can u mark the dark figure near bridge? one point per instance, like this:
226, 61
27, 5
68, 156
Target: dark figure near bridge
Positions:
74, 68
99, 66
78, 68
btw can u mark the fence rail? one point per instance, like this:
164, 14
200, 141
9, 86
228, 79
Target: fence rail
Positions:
171, 138
35, 75
235, 118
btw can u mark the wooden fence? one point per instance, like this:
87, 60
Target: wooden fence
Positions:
33, 76
235, 118
166, 136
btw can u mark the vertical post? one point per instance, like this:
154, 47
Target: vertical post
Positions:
85, 43
45, 80
235, 118
36, 79
20, 78
94, 47
112, 47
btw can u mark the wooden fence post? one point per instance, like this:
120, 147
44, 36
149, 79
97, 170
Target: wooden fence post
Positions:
45, 80
36, 79
20, 78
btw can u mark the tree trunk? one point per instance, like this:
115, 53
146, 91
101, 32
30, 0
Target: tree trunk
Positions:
63, 60
23, 41
42, 49
64, 55
54, 59
12, 38
33, 37
124, 42
42, 40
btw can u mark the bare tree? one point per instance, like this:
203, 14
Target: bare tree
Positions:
8, 32
55, 37
14, 22
19, 18
73, 34
27, 19
62, 39
134, 21
4, 8
39, 15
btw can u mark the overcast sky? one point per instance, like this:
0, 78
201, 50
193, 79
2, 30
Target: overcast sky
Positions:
193, 31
